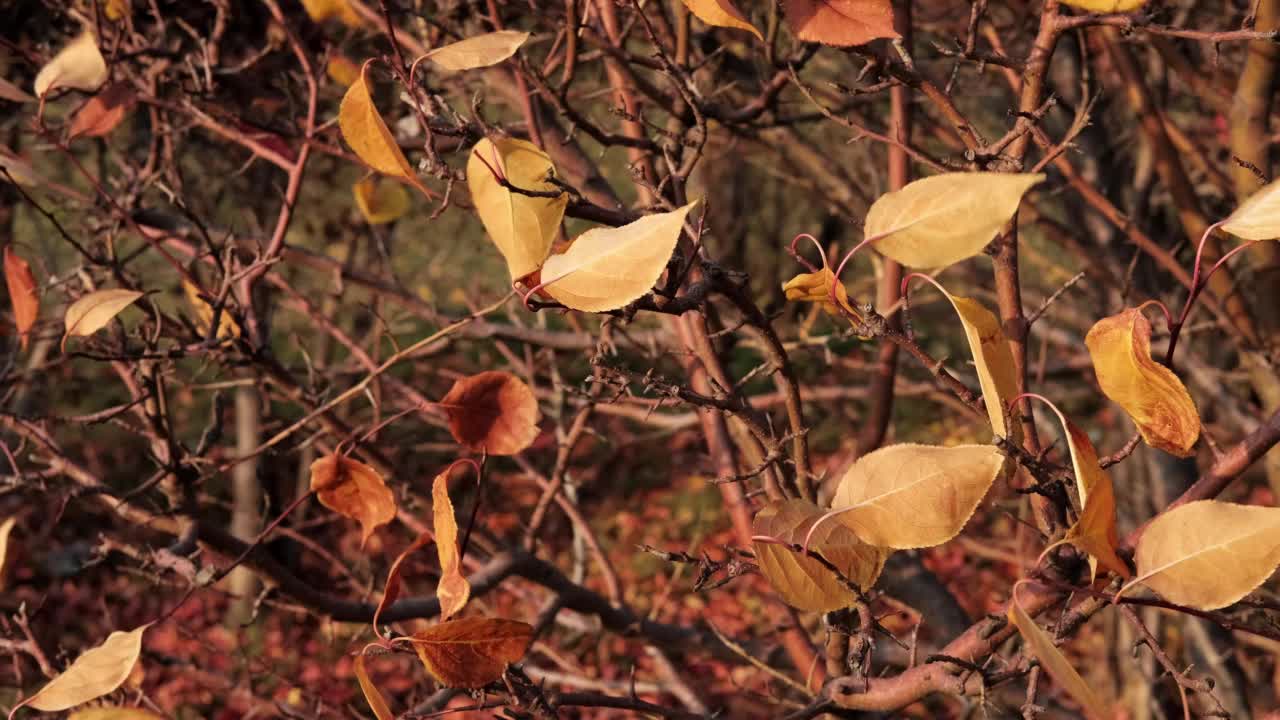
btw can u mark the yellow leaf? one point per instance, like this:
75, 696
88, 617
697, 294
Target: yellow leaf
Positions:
1052, 660
381, 201
1257, 218
816, 287
912, 496
351, 488
479, 51
371, 692
453, 590
342, 70
227, 325
1208, 554
522, 227
79, 66
721, 13
1149, 392
116, 10
802, 581
471, 652
941, 220
92, 312
366, 133
95, 673
322, 10
114, 713
1106, 6
6, 527
607, 268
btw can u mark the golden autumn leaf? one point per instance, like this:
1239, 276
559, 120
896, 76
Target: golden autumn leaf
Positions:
471, 652
840, 22
802, 581
227, 325
1257, 218
95, 673
992, 359
493, 411
943, 219
912, 496
353, 489
391, 590
116, 10
1106, 6
1053, 661
114, 713
92, 312
342, 70
380, 200
721, 13
1208, 554
367, 134
522, 227
6, 528
816, 287
79, 65
453, 590
608, 268
371, 692
340, 10
1149, 392
103, 112
22, 293
479, 51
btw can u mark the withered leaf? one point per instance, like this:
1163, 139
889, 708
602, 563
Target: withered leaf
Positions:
472, 652
22, 293
95, 673
840, 22
351, 488
103, 112
492, 411
453, 590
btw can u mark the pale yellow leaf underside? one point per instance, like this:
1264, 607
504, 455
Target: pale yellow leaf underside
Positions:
1257, 218
479, 51
6, 527
523, 227
79, 65
92, 312
95, 673
992, 359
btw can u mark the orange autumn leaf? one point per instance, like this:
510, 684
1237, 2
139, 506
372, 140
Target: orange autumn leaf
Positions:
371, 692
103, 112
22, 293
1052, 660
841, 22
453, 589
472, 652
492, 411
351, 488
1149, 392
391, 590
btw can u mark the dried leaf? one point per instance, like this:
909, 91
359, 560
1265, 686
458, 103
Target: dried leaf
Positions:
479, 51
1149, 392
13, 93
227, 325
992, 359
114, 713
802, 581
391, 590
341, 10
722, 13
116, 10
351, 488
943, 219
913, 496
92, 312
79, 65
493, 411
380, 200
371, 692
6, 528
453, 589
1257, 218
342, 70
472, 652
95, 673
366, 133
1106, 6
22, 293
1208, 554
841, 22
103, 112
607, 268
522, 227
1052, 660
816, 287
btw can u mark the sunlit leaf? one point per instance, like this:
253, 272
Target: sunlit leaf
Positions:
92, 312
380, 200
114, 713
479, 51
523, 227
227, 325
1052, 660
353, 489
607, 268
913, 496
992, 358
95, 673
340, 10
371, 692
840, 22
943, 219
493, 411
6, 528
366, 133
79, 66
1106, 6
1149, 392
342, 70
22, 293
103, 112
816, 287
453, 589
1257, 218
1208, 554
803, 581
722, 13
472, 652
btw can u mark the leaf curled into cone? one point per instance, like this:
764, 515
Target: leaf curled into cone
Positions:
840, 22
79, 65
816, 287
522, 226
364, 130
103, 112
372, 694
471, 652
453, 590
95, 673
1052, 660
22, 293
353, 489
722, 13
1149, 392
381, 200
92, 312
479, 51
493, 411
